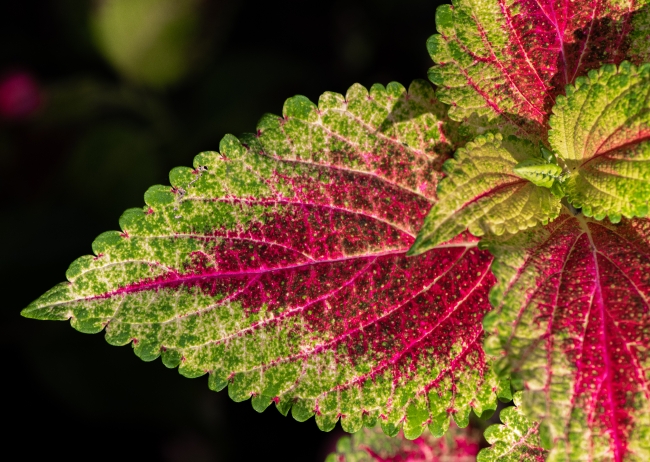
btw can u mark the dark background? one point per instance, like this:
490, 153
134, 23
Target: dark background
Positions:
82, 139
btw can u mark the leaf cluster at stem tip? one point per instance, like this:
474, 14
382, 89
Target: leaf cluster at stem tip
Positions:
600, 163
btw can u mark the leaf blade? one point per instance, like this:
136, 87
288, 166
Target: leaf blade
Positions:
571, 312
601, 131
278, 268
490, 60
516, 439
483, 193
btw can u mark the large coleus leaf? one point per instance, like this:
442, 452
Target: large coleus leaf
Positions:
511, 59
515, 439
371, 445
483, 193
601, 130
278, 267
573, 317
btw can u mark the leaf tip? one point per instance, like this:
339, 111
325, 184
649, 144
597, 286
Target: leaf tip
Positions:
50, 305
418, 248
31, 312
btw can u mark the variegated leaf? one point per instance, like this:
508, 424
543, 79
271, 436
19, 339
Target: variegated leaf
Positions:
484, 193
601, 130
278, 268
510, 59
573, 316
516, 439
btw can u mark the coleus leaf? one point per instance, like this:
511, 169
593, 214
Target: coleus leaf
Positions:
511, 59
516, 439
371, 445
483, 192
572, 316
601, 130
278, 267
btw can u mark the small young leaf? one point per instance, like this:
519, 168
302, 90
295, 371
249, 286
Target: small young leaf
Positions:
511, 59
573, 315
371, 445
601, 130
483, 192
538, 172
278, 267
515, 440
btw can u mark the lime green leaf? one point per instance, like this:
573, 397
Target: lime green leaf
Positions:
572, 324
601, 130
515, 440
372, 445
278, 267
485, 193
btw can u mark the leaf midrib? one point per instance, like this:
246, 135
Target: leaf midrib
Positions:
618, 444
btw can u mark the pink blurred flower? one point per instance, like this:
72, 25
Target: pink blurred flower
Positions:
20, 95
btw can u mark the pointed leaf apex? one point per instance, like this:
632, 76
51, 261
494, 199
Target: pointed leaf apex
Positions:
41, 308
31, 312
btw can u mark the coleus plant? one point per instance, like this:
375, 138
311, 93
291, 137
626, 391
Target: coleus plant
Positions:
403, 258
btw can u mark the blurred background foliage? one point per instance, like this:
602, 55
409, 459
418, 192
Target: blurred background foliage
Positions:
98, 101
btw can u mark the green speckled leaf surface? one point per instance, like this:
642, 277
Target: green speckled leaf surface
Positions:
601, 130
509, 60
515, 439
